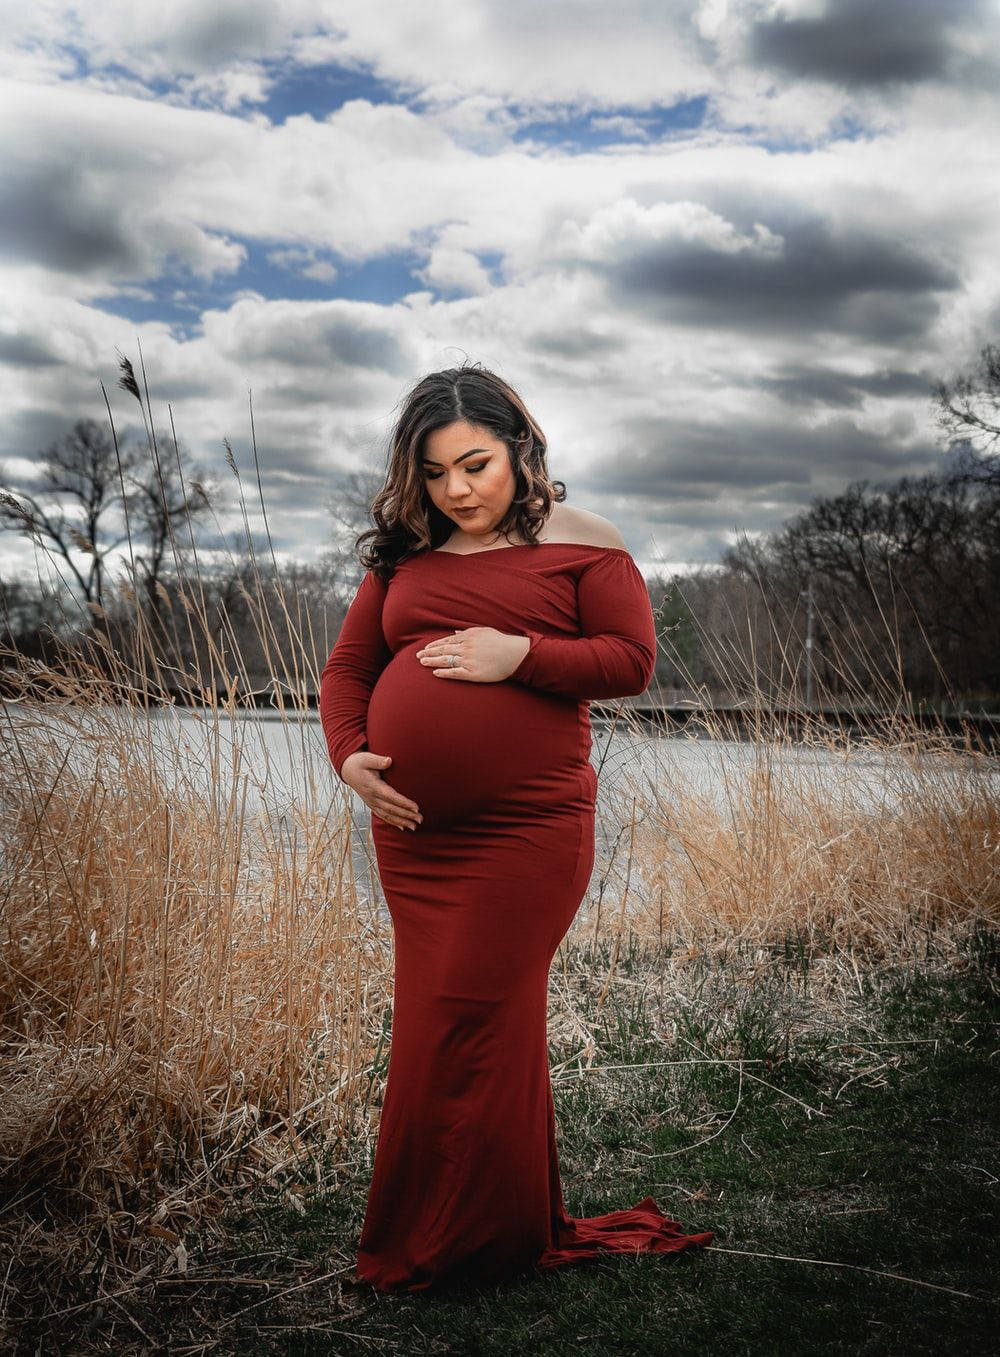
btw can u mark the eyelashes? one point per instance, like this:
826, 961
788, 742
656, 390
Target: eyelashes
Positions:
436, 476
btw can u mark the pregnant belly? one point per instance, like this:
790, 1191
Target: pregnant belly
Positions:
459, 747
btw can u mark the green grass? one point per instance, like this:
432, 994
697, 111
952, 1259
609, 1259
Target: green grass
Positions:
871, 1145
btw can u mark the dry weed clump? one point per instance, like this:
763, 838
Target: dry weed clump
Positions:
865, 849
188, 985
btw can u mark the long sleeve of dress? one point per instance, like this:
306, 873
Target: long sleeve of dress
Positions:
349, 675
616, 655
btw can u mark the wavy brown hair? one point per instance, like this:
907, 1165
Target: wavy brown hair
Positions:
406, 519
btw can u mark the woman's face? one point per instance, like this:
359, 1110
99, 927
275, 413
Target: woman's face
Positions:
465, 467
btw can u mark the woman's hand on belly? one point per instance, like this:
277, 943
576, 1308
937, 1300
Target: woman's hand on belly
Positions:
484, 655
361, 770
459, 754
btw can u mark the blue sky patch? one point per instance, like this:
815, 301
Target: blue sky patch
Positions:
595, 128
321, 90
178, 298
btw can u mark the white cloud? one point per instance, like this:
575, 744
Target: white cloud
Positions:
611, 307
585, 52
159, 41
626, 224
229, 89
628, 129
303, 262
450, 268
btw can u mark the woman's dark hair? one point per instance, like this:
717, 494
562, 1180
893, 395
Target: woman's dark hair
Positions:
406, 519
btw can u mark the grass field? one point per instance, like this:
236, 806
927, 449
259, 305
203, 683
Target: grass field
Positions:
835, 1128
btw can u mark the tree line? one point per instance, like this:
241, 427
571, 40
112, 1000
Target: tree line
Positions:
877, 590
867, 594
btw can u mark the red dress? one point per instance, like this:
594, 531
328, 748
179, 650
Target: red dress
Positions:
466, 1173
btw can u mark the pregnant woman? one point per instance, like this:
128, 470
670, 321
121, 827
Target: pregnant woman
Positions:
455, 703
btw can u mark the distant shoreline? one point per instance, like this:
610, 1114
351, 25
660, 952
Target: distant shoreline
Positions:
740, 720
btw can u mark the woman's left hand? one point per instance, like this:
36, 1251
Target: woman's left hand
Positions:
484, 654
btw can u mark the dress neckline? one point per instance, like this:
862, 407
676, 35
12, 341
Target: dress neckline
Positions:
522, 546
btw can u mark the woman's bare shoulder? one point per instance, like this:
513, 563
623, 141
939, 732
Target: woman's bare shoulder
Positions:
567, 523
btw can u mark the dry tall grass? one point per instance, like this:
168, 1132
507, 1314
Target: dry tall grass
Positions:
865, 848
195, 983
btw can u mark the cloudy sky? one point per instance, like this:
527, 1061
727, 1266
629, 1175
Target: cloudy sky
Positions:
721, 248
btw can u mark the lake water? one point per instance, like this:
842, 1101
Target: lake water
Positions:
283, 763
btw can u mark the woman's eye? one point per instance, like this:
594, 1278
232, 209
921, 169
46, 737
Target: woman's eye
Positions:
436, 475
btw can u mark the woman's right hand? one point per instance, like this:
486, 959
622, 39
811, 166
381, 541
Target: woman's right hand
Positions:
362, 771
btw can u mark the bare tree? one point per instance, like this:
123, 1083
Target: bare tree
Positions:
906, 579
31, 615
166, 500
78, 511
349, 508
969, 409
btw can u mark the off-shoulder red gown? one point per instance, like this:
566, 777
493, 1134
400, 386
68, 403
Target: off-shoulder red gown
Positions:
466, 1173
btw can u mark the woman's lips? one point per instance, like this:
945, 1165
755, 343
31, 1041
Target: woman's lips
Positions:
466, 512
